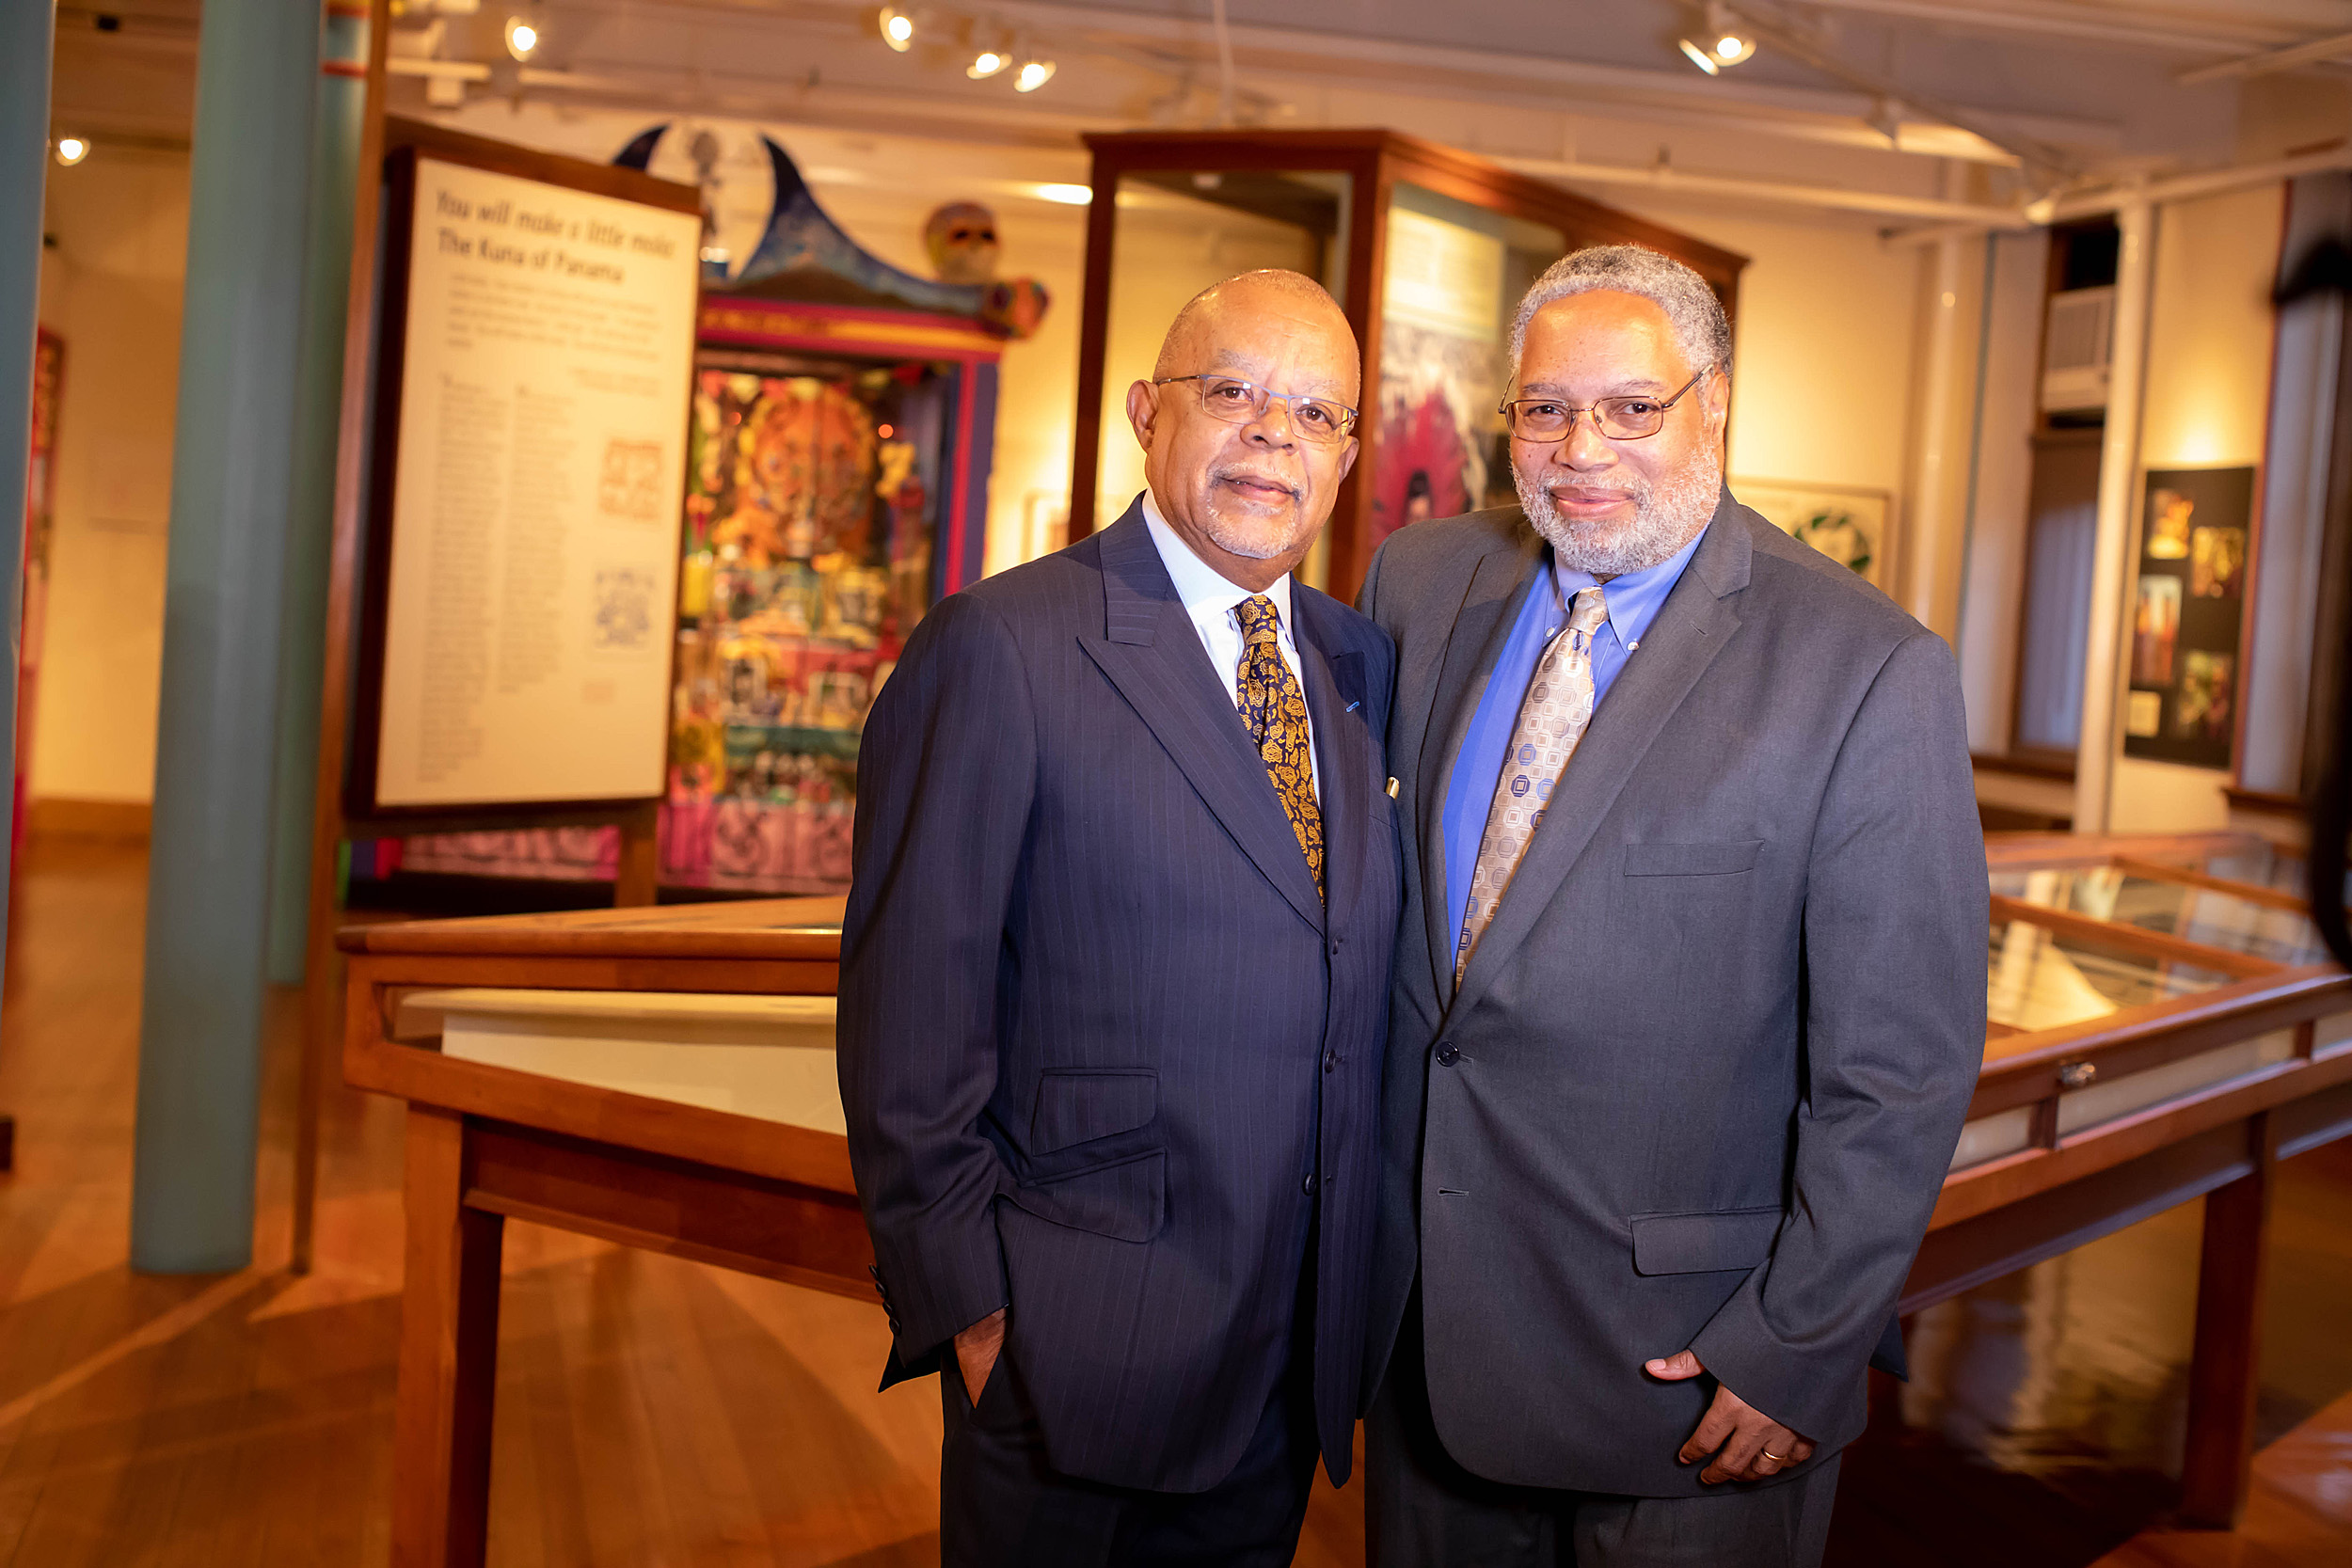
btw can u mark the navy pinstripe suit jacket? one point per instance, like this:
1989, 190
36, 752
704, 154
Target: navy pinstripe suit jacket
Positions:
1103, 1050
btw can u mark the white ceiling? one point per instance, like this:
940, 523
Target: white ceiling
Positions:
1566, 83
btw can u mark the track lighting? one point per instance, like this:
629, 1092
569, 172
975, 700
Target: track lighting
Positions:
522, 36
72, 149
1033, 74
987, 63
1718, 42
898, 28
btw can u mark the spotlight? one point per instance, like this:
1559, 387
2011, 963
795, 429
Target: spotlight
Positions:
1699, 58
1033, 74
987, 63
1733, 48
1068, 196
72, 149
898, 28
522, 36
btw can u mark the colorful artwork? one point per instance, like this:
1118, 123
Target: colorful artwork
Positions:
2217, 562
2168, 513
2190, 605
1440, 371
2154, 629
809, 544
2205, 709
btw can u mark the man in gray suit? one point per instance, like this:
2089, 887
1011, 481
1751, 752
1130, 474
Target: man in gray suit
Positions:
1690, 1000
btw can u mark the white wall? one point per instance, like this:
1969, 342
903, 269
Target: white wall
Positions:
1822, 382
112, 291
2207, 406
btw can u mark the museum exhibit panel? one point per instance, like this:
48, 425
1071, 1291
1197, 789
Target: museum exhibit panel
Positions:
1428, 248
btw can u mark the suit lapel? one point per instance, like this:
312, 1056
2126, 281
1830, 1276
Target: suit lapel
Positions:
1335, 699
1152, 654
1498, 586
1692, 629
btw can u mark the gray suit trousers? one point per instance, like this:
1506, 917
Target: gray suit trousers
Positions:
1423, 1510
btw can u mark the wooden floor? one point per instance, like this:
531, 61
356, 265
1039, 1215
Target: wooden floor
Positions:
656, 1412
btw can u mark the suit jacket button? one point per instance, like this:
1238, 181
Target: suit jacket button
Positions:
1311, 1183
1330, 1061
1447, 1054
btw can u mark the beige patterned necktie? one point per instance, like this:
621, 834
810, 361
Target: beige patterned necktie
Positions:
1552, 718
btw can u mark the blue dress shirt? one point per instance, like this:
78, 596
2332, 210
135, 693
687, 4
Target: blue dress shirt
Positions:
1633, 600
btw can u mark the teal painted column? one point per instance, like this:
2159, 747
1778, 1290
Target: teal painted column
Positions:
216, 737
27, 34
342, 100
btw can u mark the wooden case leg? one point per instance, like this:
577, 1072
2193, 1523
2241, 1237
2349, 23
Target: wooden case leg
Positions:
2226, 1369
449, 1324
636, 877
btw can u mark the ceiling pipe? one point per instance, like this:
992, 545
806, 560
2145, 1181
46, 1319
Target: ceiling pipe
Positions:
1961, 216
2181, 187
2317, 51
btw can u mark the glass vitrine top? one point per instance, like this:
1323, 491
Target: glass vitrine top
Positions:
2038, 978
2149, 902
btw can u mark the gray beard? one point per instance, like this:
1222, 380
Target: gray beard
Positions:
1666, 516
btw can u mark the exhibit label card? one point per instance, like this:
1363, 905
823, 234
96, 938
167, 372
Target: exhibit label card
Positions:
534, 561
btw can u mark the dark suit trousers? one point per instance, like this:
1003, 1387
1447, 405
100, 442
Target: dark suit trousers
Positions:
1003, 1506
1424, 1511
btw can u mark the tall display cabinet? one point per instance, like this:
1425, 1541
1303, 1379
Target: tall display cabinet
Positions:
1428, 249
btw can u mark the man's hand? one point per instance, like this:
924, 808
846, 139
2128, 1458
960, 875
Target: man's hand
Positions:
1747, 1444
977, 1349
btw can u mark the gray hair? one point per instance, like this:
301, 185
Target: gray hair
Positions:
1701, 329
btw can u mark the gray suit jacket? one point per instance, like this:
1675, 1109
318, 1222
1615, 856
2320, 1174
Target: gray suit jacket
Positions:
1704, 1075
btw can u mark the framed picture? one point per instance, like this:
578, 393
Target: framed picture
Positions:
2188, 616
1846, 524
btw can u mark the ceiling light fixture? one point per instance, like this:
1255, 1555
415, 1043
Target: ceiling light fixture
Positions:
1733, 48
1699, 58
522, 36
72, 149
1033, 74
987, 63
1068, 196
898, 28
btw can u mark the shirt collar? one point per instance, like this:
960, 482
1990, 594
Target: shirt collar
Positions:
1200, 585
1633, 599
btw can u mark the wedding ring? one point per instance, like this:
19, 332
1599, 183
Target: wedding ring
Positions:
1776, 1459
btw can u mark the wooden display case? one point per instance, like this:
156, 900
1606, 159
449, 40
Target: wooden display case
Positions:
1428, 248
2162, 1030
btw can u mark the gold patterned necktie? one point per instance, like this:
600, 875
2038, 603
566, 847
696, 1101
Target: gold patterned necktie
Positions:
1552, 718
1275, 713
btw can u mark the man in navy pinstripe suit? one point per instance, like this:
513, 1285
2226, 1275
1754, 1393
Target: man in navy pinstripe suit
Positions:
1114, 984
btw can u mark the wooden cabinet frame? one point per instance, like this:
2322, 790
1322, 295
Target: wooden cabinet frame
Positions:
1374, 161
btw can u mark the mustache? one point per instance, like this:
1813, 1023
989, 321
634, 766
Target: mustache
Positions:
1594, 492
1255, 476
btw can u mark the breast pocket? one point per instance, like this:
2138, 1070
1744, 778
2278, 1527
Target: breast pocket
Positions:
1692, 859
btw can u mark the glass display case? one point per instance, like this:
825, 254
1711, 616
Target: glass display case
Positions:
664, 1078
1428, 248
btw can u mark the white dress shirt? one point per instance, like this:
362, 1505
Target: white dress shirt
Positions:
1209, 598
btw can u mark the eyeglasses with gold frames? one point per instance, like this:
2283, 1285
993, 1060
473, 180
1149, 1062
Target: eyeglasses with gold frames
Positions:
1319, 422
1547, 420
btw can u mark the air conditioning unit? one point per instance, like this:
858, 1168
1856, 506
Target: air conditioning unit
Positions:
2075, 350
